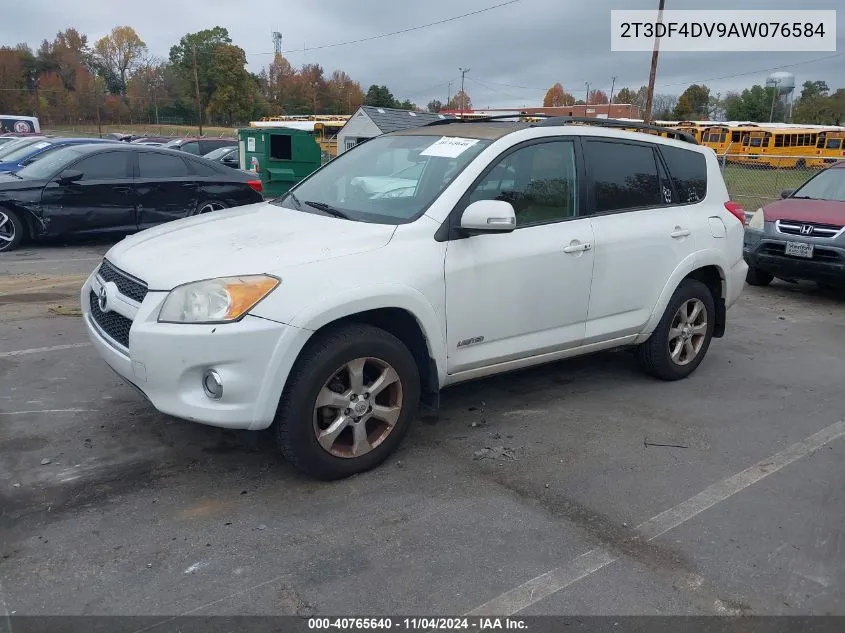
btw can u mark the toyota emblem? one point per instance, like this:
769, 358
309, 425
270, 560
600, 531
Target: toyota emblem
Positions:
104, 298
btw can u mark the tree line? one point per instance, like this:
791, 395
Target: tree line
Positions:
816, 105
116, 79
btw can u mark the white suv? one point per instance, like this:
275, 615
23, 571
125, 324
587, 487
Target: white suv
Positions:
417, 260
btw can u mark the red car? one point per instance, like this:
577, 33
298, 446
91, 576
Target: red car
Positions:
801, 236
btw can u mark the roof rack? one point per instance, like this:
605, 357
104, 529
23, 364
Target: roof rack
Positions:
552, 120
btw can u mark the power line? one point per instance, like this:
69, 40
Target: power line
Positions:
408, 30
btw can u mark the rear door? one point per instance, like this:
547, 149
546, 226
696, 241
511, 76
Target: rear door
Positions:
166, 188
642, 234
102, 201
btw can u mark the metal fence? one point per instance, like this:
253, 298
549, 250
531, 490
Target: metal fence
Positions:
755, 182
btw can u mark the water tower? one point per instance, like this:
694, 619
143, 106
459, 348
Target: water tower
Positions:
784, 89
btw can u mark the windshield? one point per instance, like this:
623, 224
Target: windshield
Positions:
219, 152
23, 152
390, 179
17, 144
828, 185
51, 163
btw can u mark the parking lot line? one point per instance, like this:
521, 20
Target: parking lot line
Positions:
46, 411
51, 261
38, 350
536, 589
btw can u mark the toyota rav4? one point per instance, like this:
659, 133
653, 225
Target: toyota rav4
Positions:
333, 312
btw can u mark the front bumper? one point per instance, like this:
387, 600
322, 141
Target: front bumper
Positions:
766, 253
166, 362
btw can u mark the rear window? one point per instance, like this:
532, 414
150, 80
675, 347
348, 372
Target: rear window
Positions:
688, 171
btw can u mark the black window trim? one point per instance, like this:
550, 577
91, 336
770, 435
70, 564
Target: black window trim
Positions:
450, 229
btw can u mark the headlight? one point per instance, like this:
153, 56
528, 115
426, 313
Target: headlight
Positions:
216, 300
757, 220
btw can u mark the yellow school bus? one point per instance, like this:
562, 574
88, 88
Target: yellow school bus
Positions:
726, 138
778, 147
830, 148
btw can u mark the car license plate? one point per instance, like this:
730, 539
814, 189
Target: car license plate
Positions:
799, 249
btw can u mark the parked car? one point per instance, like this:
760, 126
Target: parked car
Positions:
801, 236
26, 155
200, 146
332, 312
114, 188
229, 156
16, 142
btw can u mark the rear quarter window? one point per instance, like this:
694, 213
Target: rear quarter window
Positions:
688, 171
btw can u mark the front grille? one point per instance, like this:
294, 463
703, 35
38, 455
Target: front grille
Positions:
819, 254
113, 324
816, 229
128, 285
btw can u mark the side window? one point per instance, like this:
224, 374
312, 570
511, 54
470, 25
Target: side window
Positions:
624, 176
106, 166
538, 180
192, 147
152, 165
688, 171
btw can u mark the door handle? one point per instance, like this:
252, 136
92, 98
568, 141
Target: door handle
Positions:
679, 232
577, 248
188, 185
123, 189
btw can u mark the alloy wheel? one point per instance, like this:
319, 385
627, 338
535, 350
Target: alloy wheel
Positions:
358, 407
688, 331
7, 229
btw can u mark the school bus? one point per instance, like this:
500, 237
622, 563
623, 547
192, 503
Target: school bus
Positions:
726, 138
830, 148
778, 147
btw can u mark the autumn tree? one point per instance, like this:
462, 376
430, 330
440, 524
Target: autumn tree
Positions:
235, 93
199, 45
117, 54
626, 95
597, 97
556, 96
461, 101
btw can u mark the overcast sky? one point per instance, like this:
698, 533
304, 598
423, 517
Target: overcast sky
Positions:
514, 53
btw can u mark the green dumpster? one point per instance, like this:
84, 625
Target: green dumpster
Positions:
281, 156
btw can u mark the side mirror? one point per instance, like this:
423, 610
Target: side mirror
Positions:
786, 193
488, 216
68, 176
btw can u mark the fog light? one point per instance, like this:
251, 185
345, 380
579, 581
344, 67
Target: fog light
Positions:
212, 385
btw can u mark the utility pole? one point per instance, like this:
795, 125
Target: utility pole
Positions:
610, 101
197, 88
464, 71
653, 72
449, 95
97, 106
587, 98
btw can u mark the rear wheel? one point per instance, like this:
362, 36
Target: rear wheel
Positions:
757, 277
348, 402
207, 206
679, 343
11, 230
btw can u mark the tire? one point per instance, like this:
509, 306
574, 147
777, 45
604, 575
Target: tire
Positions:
757, 277
11, 230
207, 206
323, 363
655, 354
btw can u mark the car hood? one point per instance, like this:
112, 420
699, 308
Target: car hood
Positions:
9, 184
253, 239
821, 211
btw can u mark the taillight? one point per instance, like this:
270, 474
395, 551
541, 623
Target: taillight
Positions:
736, 210
257, 185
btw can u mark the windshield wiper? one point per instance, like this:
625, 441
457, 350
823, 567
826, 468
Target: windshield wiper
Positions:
15, 174
322, 206
803, 198
296, 201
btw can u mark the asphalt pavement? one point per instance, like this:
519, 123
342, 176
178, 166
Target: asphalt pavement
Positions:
583, 487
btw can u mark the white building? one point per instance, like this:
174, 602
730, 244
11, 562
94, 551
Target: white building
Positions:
371, 121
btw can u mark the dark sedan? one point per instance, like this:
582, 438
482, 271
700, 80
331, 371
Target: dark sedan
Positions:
92, 190
802, 236
200, 146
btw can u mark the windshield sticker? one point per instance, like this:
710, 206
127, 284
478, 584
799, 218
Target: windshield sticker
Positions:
449, 147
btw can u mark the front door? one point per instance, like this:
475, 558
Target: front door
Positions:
167, 189
523, 293
101, 201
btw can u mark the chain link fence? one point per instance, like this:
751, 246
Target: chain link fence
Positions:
756, 182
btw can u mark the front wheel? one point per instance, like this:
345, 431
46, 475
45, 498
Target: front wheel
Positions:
11, 230
679, 343
348, 402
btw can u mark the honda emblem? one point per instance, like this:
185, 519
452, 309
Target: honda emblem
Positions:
806, 229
